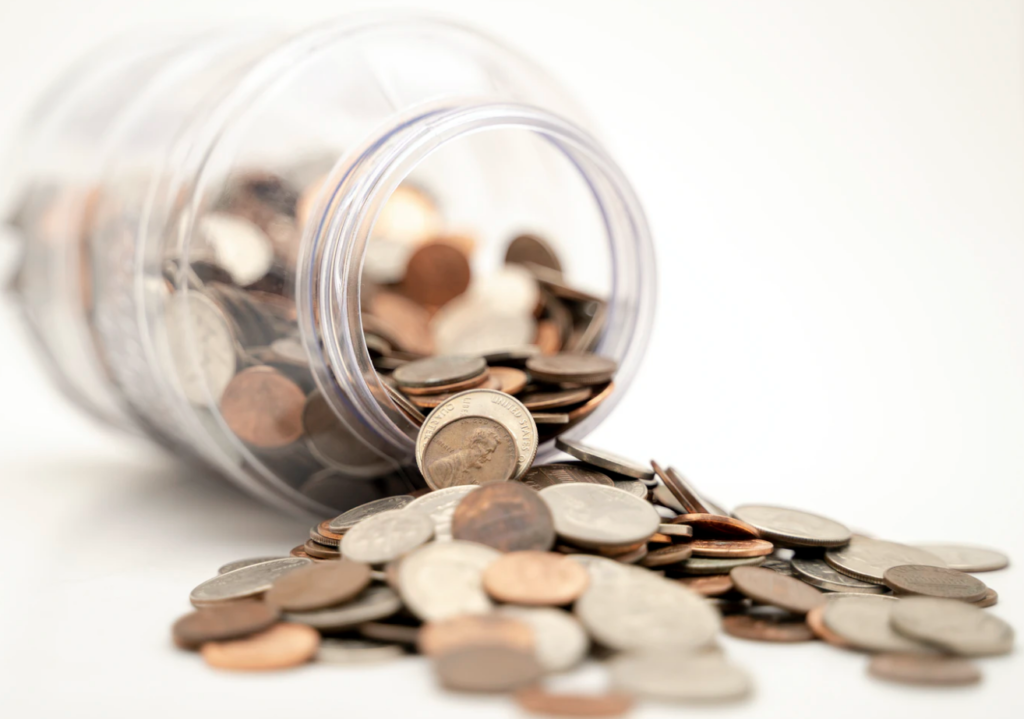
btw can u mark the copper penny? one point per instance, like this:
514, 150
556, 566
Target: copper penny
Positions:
406, 322
660, 538
574, 367
436, 273
926, 581
582, 412
429, 401
712, 525
508, 516
318, 586
532, 249
711, 586
511, 380
547, 475
469, 450
487, 668
219, 622
263, 407
283, 645
767, 629
731, 547
554, 400
933, 669
321, 534
319, 551
778, 590
299, 551
675, 484
450, 389
441, 637
672, 554
816, 621
540, 701
535, 579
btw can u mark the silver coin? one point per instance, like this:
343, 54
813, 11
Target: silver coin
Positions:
467, 327
664, 497
373, 603
602, 569
387, 536
715, 565
245, 582
440, 506
867, 559
201, 346
560, 641
440, 370
865, 622
386, 259
505, 410
356, 651
345, 521
414, 412
241, 248
665, 512
440, 581
679, 676
818, 573
550, 418
239, 563
290, 350
548, 475
953, 626
632, 486
781, 566
605, 460
967, 558
592, 515
784, 526
642, 610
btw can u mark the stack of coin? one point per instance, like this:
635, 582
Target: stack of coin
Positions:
506, 572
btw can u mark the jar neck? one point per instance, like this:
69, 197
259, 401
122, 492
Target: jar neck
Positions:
360, 184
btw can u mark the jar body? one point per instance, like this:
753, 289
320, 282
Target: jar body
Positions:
200, 214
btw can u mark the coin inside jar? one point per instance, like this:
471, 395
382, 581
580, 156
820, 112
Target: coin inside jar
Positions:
263, 407
470, 450
572, 367
439, 371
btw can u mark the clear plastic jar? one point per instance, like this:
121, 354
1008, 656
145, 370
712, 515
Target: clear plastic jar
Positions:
140, 178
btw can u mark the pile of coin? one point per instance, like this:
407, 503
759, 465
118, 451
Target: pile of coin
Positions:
506, 573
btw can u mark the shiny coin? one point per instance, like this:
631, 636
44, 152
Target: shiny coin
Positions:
201, 346
632, 486
356, 651
548, 475
280, 647
439, 371
713, 526
245, 582
220, 622
604, 460
440, 506
867, 559
767, 628
934, 582
387, 536
666, 556
510, 379
602, 569
710, 586
679, 676
469, 450
934, 670
715, 565
967, 558
554, 400
319, 586
508, 517
263, 407
777, 590
446, 635
535, 579
487, 668
792, 527
571, 367
444, 580
375, 602
591, 515
560, 641
864, 621
238, 564
536, 700
955, 627
818, 573
344, 522
729, 547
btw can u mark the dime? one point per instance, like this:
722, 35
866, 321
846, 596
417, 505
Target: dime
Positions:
441, 637
934, 582
201, 345
439, 371
715, 565
818, 573
678, 676
867, 559
572, 367
536, 700
387, 536
356, 651
924, 669
665, 556
561, 642
281, 646
238, 564
634, 487
953, 626
510, 379
219, 622
263, 407
967, 558
591, 515
792, 527
319, 586
444, 580
436, 274
469, 450
777, 590
864, 621
728, 547
535, 578
712, 525
554, 400
548, 475
375, 602
487, 668
711, 586
440, 505
345, 521
767, 628
508, 517
532, 249
245, 582
605, 460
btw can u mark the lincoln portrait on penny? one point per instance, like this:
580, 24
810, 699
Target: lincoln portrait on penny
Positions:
458, 468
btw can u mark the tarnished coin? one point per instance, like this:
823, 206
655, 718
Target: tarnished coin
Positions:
867, 559
263, 407
201, 345
713, 526
440, 506
532, 249
953, 626
344, 522
729, 547
666, 556
864, 621
967, 558
444, 580
387, 536
715, 565
793, 527
238, 564
436, 273
777, 590
535, 579
510, 379
375, 602
935, 670
679, 676
592, 515
441, 637
319, 586
487, 668
509, 517
357, 651
634, 487
560, 641
469, 450
439, 371
818, 573
219, 622
245, 582
280, 647
548, 475
710, 586
767, 628
572, 367
605, 460
536, 700
934, 582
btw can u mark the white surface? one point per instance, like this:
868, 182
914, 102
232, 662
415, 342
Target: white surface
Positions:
836, 191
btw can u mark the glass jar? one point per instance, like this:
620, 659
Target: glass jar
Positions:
210, 221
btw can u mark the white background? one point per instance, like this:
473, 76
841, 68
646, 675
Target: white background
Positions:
836, 194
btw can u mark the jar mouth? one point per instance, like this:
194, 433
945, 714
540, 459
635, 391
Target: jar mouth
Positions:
334, 247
